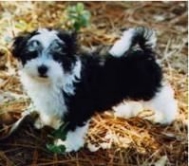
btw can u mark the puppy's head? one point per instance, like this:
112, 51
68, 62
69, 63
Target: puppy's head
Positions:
45, 54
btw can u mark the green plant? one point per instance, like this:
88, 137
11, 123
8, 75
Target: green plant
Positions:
60, 133
78, 16
56, 149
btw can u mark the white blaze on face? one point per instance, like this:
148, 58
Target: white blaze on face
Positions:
45, 37
43, 40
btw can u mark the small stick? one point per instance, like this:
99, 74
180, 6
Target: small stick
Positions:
18, 123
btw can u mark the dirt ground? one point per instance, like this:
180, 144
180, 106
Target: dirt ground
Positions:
133, 142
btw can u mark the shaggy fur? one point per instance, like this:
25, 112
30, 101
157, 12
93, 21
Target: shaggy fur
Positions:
70, 88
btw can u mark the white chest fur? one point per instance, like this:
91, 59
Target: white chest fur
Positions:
47, 98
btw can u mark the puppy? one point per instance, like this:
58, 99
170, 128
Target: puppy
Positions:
70, 88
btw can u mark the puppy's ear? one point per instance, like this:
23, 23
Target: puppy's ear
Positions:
70, 40
20, 42
17, 46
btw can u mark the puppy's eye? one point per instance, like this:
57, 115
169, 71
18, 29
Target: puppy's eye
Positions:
57, 56
33, 45
57, 46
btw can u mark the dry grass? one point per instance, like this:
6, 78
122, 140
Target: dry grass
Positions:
131, 142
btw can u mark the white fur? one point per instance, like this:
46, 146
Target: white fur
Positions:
46, 93
151, 38
54, 73
71, 78
128, 109
74, 139
45, 37
123, 44
48, 99
163, 104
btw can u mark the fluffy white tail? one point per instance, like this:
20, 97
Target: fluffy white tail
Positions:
145, 37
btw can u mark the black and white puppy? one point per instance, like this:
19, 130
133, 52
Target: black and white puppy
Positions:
70, 88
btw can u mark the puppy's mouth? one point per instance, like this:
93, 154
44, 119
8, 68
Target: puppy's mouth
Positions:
43, 76
42, 79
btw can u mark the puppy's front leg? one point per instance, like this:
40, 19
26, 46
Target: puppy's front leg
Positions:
46, 120
75, 139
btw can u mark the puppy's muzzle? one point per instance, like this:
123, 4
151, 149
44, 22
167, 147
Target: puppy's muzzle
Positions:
42, 70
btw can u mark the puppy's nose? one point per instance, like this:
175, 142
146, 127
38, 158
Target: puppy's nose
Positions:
42, 70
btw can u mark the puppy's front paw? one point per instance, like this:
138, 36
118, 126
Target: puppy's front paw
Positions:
69, 146
38, 124
73, 140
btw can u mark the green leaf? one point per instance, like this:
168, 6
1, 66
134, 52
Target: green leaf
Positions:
78, 16
60, 133
80, 7
87, 15
56, 149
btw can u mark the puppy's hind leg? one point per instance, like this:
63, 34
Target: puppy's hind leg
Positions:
164, 105
128, 109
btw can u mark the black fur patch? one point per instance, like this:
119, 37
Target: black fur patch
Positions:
135, 76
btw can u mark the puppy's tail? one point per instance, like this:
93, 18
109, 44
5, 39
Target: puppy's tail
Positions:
144, 37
